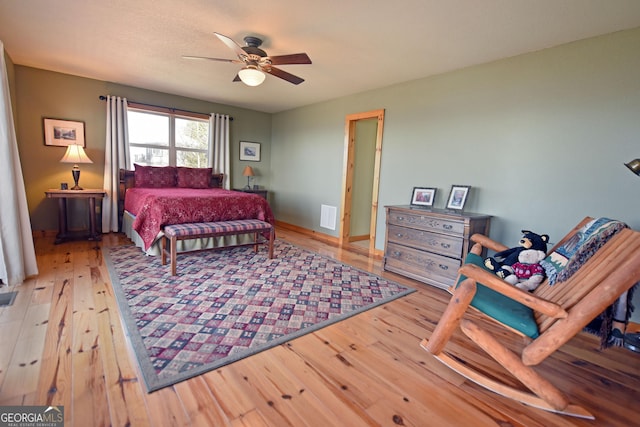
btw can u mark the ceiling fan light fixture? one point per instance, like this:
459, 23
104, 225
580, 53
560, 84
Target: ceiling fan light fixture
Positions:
251, 76
256, 63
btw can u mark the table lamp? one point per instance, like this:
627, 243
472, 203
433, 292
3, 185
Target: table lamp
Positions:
634, 166
75, 154
248, 172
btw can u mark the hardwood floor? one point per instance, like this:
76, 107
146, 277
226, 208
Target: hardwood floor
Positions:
63, 344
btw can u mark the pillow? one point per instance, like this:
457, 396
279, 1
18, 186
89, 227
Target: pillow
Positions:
154, 176
194, 177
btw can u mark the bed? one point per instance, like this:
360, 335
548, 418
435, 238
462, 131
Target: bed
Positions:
151, 197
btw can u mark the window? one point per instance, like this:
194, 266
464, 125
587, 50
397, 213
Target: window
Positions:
164, 138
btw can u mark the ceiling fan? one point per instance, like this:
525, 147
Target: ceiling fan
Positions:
256, 62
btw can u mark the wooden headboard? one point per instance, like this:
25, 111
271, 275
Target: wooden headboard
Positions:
127, 180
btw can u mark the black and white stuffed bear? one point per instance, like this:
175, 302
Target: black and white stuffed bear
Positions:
520, 265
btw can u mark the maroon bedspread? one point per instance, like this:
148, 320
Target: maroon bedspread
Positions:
157, 207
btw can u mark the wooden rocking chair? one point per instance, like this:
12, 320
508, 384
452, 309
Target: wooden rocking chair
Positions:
558, 313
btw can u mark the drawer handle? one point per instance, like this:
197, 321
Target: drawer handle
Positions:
445, 245
399, 234
443, 267
447, 226
396, 253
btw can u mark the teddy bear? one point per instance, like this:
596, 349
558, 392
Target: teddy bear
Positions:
520, 265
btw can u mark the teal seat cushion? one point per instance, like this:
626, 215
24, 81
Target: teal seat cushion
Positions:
503, 309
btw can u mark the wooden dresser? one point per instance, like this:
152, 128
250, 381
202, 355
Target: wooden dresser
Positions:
429, 244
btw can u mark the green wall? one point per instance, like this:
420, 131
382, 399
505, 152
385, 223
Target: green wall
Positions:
541, 137
41, 94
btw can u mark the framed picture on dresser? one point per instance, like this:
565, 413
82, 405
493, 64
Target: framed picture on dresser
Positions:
423, 196
458, 197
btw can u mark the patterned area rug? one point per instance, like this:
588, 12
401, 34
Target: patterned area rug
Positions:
226, 305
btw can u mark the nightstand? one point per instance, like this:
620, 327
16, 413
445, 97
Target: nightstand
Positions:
261, 193
62, 196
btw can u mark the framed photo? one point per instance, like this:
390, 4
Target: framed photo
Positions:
250, 151
423, 196
62, 133
458, 197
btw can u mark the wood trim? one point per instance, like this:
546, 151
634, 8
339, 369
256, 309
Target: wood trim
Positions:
347, 179
43, 233
347, 176
358, 238
331, 240
376, 182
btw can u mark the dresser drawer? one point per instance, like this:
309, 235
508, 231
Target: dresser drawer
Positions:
425, 222
440, 243
404, 259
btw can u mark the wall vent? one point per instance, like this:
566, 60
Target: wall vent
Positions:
328, 217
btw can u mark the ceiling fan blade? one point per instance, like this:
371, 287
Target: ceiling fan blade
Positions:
294, 58
235, 61
284, 75
232, 45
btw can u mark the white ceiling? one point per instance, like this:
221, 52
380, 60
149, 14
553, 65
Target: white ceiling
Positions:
355, 45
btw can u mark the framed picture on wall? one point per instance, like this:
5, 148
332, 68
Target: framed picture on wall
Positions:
250, 151
458, 197
62, 133
423, 196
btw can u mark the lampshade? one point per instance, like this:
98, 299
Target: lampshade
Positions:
251, 76
75, 154
248, 171
634, 166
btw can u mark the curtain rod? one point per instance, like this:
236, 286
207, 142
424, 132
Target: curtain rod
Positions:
104, 98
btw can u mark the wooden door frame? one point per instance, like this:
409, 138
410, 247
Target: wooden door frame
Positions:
347, 175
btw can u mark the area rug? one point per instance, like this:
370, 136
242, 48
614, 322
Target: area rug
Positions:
226, 305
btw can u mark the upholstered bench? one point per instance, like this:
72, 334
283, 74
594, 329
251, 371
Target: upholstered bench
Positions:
175, 232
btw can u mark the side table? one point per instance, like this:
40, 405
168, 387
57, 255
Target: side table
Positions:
62, 196
261, 193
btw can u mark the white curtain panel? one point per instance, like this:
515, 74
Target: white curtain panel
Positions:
17, 253
219, 147
116, 157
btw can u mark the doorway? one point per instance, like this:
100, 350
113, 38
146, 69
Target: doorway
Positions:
357, 180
